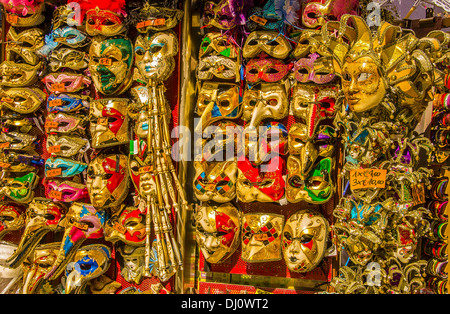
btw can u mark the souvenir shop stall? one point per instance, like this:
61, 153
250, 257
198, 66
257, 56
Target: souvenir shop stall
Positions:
224, 147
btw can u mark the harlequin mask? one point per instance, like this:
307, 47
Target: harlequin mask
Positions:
19, 74
69, 167
217, 230
133, 269
66, 103
261, 237
315, 187
37, 265
264, 69
21, 47
215, 181
57, 83
109, 122
304, 241
218, 67
104, 22
304, 72
24, 100
63, 123
110, 64
68, 58
218, 15
12, 217
108, 181
16, 162
255, 184
25, 20
68, 146
217, 101
217, 44
127, 225
42, 216
268, 42
20, 189
317, 13
82, 222
266, 100
66, 191
89, 262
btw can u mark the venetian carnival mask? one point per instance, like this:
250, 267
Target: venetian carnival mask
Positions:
21, 47
217, 230
67, 103
109, 122
19, 74
67, 146
104, 22
218, 15
220, 142
42, 216
155, 55
127, 225
20, 189
304, 240
265, 69
69, 167
215, 181
22, 100
261, 183
317, 12
89, 262
64, 123
25, 18
68, 58
218, 67
82, 222
157, 18
16, 162
304, 71
12, 217
18, 141
58, 83
261, 237
133, 268
110, 64
271, 43
266, 100
107, 180
141, 174
218, 44
264, 17
66, 191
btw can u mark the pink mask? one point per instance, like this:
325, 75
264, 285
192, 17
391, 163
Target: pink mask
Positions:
304, 71
66, 191
266, 69
65, 83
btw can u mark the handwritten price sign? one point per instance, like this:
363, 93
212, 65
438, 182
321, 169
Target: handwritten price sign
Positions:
367, 178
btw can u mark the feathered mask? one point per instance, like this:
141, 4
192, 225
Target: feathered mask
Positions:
21, 6
116, 6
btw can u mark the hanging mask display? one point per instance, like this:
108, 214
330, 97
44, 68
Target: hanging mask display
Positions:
217, 231
66, 191
215, 181
68, 58
67, 146
19, 74
25, 13
265, 69
127, 225
153, 17
67, 103
20, 189
63, 123
21, 47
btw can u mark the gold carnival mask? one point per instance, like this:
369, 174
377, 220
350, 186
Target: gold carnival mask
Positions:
155, 55
23, 99
133, 263
127, 225
218, 44
217, 230
22, 47
268, 42
109, 122
34, 18
155, 18
66, 146
218, 67
68, 58
18, 74
304, 240
261, 237
104, 22
12, 217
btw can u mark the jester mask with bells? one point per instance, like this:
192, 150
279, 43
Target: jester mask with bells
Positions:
42, 216
127, 225
110, 64
155, 55
37, 265
261, 237
372, 67
217, 230
109, 122
304, 240
89, 262
107, 180
12, 217
215, 181
82, 222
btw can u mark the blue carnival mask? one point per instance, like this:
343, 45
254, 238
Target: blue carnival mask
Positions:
66, 103
69, 168
68, 36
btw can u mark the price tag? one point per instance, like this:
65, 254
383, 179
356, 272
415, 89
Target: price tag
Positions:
105, 61
7, 99
259, 20
54, 149
51, 124
55, 194
53, 172
261, 237
145, 169
102, 121
221, 68
119, 228
4, 165
367, 178
5, 145
59, 87
155, 22
55, 103
81, 226
12, 18
159, 22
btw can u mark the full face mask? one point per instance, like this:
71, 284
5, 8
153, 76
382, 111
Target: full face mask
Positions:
155, 55
42, 216
127, 225
109, 122
23, 100
304, 240
217, 44
21, 47
107, 180
110, 64
89, 262
133, 268
82, 222
271, 43
217, 230
261, 237
12, 218
141, 177
215, 181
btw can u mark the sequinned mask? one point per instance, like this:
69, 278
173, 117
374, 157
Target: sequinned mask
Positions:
317, 13
66, 191
155, 55
215, 181
110, 64
304, 72
271, 43
218, 67
109, 122
22, 100
107, 180
268, 70
261, 237
304, 240
68, 58
218, 15
104, 22
69, 36
12, 218
21, 47
217, 230
217, 44
127, 225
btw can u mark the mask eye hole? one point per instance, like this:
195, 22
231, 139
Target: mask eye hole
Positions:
272, 43
222, 183
346, 77
287, 236
272, 70
253, 42
296, 182
364, 77
224, 103
155, 49
91, 22
140, 51
306, 238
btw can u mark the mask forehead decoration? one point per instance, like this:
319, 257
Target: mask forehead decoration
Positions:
261, 237
127, 225
89, 262
304, 240
110, 64
217, 44
269, 42
82, 222
215, 181
108, 181
109, 122
12, 218
217, 231
155, 55
133, 263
